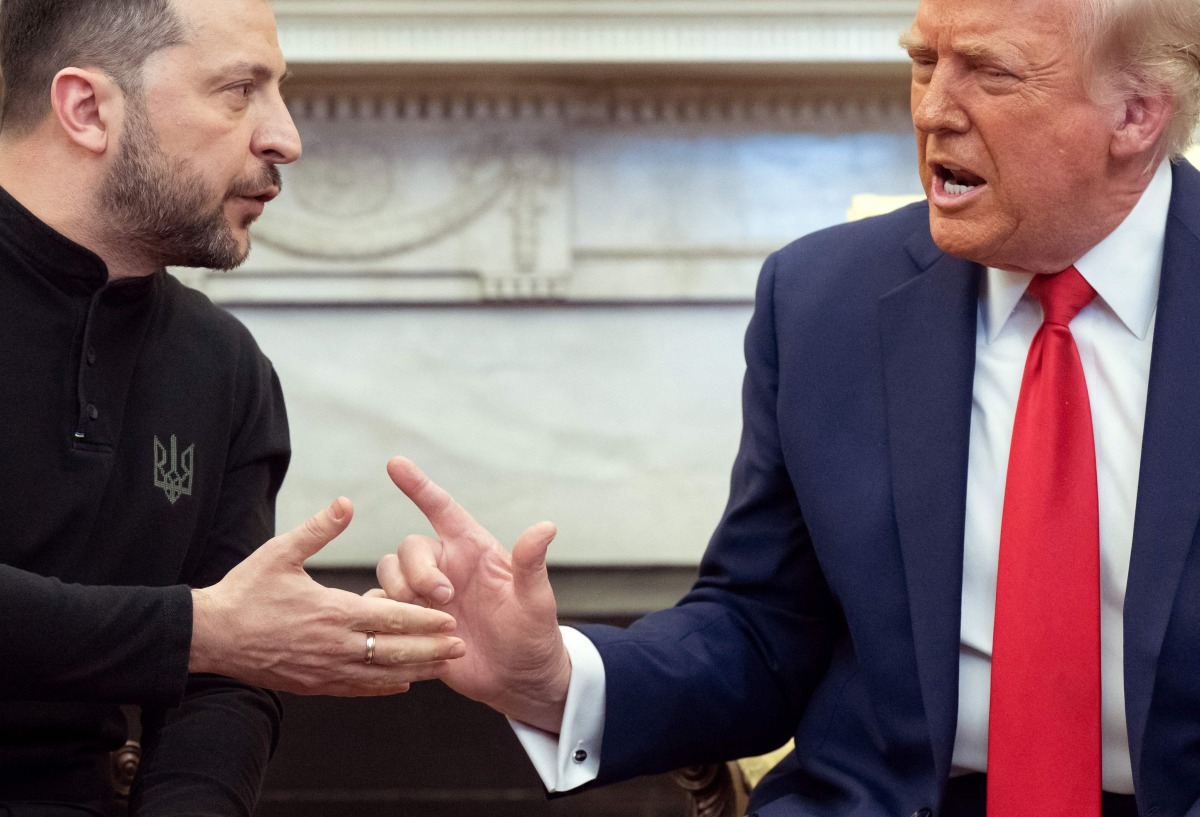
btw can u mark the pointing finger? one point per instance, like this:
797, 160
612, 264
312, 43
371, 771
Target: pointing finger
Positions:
446, 516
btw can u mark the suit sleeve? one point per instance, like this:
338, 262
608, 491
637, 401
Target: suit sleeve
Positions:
208, 756
94, 644
727, 671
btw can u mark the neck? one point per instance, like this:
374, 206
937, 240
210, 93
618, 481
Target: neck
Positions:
59, 190
1061, 245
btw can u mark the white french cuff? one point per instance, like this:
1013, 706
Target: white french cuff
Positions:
571, 758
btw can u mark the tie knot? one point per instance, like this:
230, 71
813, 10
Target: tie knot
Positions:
1062, 295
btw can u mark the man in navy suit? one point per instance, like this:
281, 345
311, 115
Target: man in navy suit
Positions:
848, 598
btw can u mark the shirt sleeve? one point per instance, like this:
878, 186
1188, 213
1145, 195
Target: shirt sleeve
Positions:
572, 758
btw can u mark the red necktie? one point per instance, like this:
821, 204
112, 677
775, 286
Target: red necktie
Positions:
1044, 739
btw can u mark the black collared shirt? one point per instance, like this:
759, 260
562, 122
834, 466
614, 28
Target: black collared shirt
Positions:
142, 441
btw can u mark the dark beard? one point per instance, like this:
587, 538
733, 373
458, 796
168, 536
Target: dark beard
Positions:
159, 206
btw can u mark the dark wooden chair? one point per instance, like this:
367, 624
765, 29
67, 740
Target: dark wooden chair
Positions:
723, 789
715, 790
124, 762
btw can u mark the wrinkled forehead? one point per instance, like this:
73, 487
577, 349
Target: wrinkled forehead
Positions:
1013, 22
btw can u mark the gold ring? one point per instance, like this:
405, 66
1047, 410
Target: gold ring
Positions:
370, 647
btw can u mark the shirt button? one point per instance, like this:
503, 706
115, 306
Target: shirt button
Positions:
91, 357
580, 756
92, 411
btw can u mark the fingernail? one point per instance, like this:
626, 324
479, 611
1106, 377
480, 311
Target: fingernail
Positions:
449, 626
458, 649
442, 594
336, 511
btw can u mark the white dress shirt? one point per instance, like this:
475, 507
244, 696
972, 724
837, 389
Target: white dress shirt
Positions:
1114, 335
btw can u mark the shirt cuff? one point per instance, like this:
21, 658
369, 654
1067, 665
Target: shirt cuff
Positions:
571, 758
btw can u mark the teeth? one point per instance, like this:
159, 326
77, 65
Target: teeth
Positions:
957, 189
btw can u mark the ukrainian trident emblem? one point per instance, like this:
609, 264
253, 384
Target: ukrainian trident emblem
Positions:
173, 473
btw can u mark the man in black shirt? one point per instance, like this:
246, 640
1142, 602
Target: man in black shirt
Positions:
143, 433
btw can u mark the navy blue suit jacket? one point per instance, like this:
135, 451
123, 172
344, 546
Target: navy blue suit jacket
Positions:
829, 598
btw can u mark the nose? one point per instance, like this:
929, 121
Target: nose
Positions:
277, 141
935, 104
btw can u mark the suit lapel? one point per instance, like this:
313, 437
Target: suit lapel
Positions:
1168, 502
928, 328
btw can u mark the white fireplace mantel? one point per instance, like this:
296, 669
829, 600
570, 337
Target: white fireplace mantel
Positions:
767, 33
588, 151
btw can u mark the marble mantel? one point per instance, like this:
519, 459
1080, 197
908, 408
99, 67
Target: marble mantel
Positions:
522, 243
567, 150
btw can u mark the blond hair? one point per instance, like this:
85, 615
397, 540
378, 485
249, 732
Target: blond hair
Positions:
1147, 48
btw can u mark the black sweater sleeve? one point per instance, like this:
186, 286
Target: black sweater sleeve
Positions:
68, 642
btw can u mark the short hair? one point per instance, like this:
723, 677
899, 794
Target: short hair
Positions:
1146, 48
39, 38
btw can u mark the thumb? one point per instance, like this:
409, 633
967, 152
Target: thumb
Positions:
306, 539
531, 582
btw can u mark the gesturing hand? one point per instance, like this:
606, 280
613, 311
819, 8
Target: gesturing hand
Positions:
515, 660
268, 623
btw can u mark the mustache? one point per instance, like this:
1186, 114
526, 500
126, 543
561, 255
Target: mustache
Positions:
269, 177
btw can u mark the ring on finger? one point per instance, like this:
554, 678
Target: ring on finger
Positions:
370, 656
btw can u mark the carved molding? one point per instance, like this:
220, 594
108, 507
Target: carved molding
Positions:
654, 32
466, 191
451, 146
340, 207
831, 104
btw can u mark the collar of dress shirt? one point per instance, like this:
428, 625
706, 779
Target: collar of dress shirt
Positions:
1124, 268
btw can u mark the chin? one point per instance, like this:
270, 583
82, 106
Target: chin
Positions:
961, 239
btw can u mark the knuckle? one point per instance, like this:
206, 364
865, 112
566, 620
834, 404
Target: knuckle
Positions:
389, 564
401, 654
313, 527
412, 542
326, 615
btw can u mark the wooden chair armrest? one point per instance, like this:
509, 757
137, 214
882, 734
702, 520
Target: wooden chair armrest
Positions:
714, 790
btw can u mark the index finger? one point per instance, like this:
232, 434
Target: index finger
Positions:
447, 517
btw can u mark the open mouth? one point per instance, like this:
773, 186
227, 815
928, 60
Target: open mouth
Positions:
957, 181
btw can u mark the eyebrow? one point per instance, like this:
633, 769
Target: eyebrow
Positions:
911, 41
260, 71
971, 48
986, 50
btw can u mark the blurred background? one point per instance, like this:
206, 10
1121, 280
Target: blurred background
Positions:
521, 249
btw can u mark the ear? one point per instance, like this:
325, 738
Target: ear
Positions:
85, 104
1140, 125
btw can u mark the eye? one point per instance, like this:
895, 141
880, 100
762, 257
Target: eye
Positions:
923, 68
242, 90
